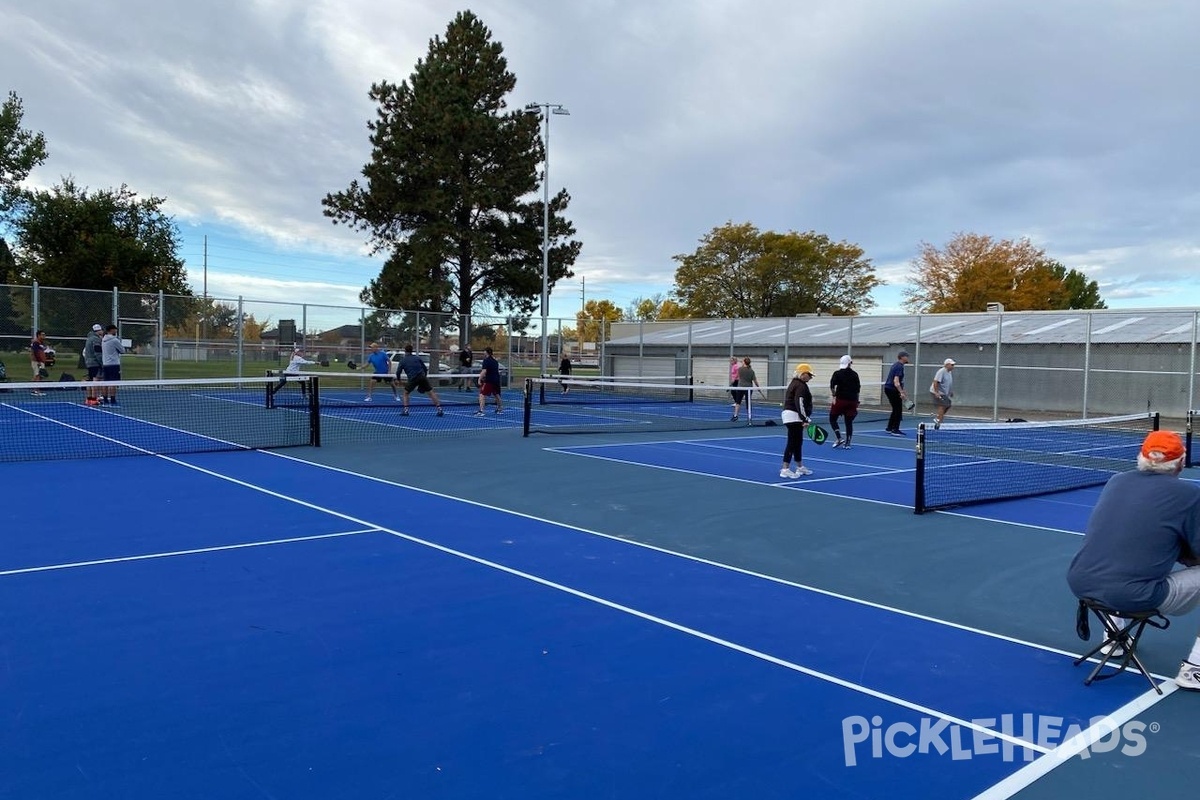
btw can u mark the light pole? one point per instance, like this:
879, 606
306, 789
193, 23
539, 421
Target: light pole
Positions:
546, 109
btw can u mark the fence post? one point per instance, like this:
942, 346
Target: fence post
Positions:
241, 341
116, 306
34, 311
161, 338
1087, 362
996, 377
1192, 364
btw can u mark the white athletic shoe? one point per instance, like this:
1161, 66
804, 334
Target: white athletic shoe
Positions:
786, 473
801, 470
366, 399
1189, 676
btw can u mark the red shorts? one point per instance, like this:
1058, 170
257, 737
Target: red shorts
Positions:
487, 389
844, 408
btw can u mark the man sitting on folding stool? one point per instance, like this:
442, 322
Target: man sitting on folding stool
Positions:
1144, 523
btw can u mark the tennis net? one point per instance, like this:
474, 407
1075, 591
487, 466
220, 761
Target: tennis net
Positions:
581, 405
963, 464
59, 420
366, 391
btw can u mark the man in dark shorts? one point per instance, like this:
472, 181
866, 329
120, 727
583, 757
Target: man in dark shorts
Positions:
489, 382
111, 349
382, 372
418, 379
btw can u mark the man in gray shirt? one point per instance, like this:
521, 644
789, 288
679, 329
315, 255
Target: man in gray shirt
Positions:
746, 380
92, 353
110, 359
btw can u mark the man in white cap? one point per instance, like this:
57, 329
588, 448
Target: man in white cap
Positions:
92, 360
844, 388
293, 368
942, 390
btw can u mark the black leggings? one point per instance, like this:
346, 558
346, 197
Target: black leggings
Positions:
795, 442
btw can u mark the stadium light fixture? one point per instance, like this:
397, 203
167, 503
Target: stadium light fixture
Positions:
545, 110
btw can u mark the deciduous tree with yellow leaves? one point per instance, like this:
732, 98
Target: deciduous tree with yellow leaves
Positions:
974, 270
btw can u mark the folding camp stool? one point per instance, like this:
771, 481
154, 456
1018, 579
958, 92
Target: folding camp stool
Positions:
1123, 630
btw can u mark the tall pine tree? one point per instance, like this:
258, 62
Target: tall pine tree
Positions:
446, 194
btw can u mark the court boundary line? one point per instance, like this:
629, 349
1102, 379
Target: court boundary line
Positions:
611, 604
1029, 774
566, 450
134, 447
174, 553
687, 556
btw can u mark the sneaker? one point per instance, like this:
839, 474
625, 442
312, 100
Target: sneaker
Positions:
479, 413
839, 444
1189, 676
937, 424
366, 399
801, 470
1112, 650
404, 413
37, 393
897, 433
786, 473
440, 412
846, 446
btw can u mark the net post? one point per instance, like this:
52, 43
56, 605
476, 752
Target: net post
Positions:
1154, 421
691, 392
528, 404
919, 482
1187, 439
541, 391
314, 412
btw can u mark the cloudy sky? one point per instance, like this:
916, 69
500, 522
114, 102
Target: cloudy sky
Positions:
1072, 123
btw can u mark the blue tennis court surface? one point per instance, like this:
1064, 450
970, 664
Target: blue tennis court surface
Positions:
398, 622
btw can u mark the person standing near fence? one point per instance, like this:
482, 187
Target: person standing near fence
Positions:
893, 389
382, 367
37, 359
418, 379
111, 349
845, 387
797, 411
93, 361
746, 381
564, 371
465, 359
942, 390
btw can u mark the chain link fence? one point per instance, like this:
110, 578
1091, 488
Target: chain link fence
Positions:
173, 336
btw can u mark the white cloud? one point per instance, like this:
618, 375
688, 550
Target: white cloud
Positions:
880, 125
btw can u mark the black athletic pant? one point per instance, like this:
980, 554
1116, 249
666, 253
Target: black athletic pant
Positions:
893, 396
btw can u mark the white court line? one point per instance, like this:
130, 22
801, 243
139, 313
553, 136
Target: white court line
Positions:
674, 553
566, 450
730, 645
173, 553
1060, 755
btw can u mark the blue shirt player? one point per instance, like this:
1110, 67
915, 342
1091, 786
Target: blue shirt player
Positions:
418, 379
382, 367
